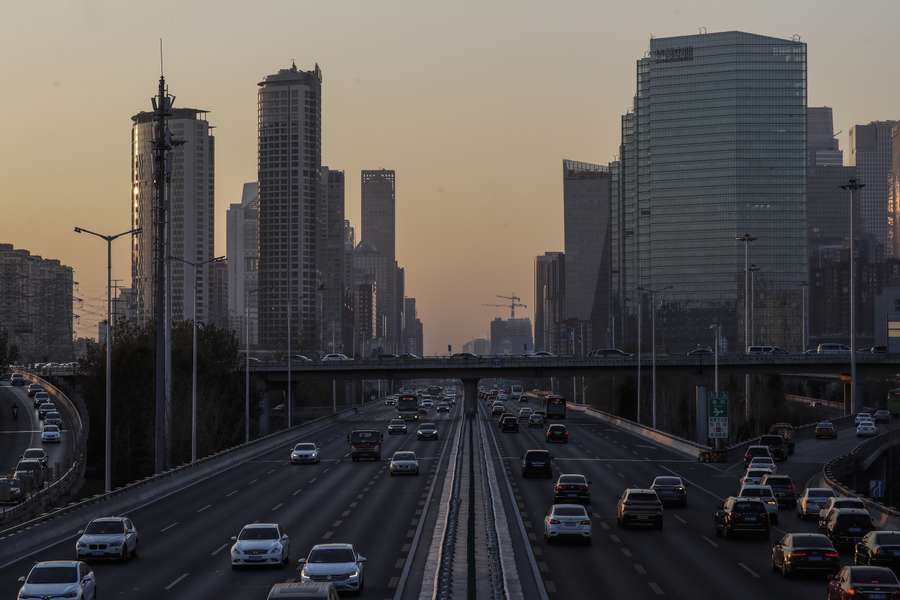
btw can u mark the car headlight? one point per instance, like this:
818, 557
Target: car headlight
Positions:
354, 574
304, 576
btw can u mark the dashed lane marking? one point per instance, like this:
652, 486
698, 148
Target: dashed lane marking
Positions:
749, 570
410, 533
615, 538
270, 471
252, 481
231, 493
313, 480
618, 473
168, 527
680, 519
603, 524
297, 491
405, 548
626, 552
399, 563
277, 506
219, 549
327, 535
346, 513
709, 541
543, 567
203, 508
177, 580
337, 523
656, 589
640, 569
354, 504
392, 583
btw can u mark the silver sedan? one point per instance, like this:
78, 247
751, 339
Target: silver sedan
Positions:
567, 520
107, 537
404, 463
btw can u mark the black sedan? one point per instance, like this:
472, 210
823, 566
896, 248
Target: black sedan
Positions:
670, 489
509, 423
805, 552
879, 548
427, 431
863, 582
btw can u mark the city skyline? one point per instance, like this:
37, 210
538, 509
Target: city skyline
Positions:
436, 213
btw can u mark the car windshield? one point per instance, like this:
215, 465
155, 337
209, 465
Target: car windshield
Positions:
557, 428
258, 533
51, 428
305, 447
854, 521
756, 493
331, 555
404, 456
778, 480
888, 538
428, 427
33, 454
540, 455
811, 541
849, 503
757, 472
28, 465
871, 575
565, 479
569, 511
43, 575
820, 493
642, 497
667, 481
105, 528
748, 507
363, 436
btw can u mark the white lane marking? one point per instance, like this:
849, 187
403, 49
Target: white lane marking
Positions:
680, 519
620, 475
231, 493
168, 527
337, 523
749, 570
253, 481
277, 506
346, 513
313, 480
615, 538
297, 491
176, 582
640, 568
709, 541
219, 549
626, 552
270, 471
200, 510
354, 504
656, 589
327, 535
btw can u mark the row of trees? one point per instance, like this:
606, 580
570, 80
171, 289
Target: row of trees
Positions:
9, 351
220, 397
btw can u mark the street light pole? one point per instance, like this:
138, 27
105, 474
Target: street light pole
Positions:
753, 270
853, 186
746, 238
109, 239
716, 355
195, 265
247, 364
653, 293
804, 287
640, 304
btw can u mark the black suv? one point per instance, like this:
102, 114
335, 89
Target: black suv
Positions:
572, 489
738, 515
848, 526
784, 489
880, 549
537, 462
776, 446
509, 423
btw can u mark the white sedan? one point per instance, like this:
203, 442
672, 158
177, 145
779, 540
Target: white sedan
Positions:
764, 493
754, 476
763, 462
260, 544
812, 501
107, 537
567, 520
306, 452
59, 579
50, 434
404, 463
866, 429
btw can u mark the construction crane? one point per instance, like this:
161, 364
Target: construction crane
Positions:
512, 306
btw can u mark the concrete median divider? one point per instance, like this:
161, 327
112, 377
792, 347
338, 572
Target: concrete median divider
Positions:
55, 525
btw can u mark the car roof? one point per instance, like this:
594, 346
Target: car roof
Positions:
757, 446
639, 490
298, 589
756, 486
336, 546
851, 511
108, 520
259, 525
555, 506
58, 563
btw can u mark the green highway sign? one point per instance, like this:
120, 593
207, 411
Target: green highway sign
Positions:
718, 416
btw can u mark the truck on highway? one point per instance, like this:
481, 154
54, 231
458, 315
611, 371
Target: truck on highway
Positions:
365, 443
408, 407
555, 407
516, 394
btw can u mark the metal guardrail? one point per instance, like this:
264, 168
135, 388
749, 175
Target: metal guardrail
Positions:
61, 488
837, 473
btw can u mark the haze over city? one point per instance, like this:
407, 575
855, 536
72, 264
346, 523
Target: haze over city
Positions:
473, 104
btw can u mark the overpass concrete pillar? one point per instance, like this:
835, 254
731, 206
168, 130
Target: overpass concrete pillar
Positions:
470, 397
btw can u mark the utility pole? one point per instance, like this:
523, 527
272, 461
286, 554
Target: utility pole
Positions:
804, 288
653, 293
746, 238
639, 319
753, 270
853, 186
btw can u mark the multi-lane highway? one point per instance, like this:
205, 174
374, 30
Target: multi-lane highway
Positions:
25, 431
685, 559
184, 539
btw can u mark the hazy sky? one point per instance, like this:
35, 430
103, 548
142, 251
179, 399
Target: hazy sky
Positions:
475, 104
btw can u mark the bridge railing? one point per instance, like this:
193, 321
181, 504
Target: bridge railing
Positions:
60, 489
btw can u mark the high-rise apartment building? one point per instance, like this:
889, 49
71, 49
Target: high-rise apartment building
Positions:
715, 147
289, 163
36, 305
479, 346
893, 232
218, 295
549, 300
330, 260
191, 201
413, 330
586, 216
370, 265
511, 336
242, 251
870, 153
379, 211
823, 147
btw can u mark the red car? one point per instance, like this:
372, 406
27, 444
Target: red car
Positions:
557, 433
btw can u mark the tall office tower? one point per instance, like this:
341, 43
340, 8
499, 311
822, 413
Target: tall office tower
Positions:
479, 346
511, 336
822, 146
716, 147
290, 156
870, 153
365, 312
413, 334
587, 192
623, 241
348, 314
549, 300
218, 300
330, 260
370, 265
893, 232
191, 201
827, 205
36, 305
242, 250
379, 212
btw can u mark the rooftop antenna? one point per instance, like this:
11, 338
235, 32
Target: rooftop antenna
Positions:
293, 64
161, 71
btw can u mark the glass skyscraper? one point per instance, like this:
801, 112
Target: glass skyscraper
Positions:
714, 148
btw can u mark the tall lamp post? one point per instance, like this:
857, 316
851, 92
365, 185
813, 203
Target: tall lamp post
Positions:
716, 355
247, 360
109, 239
653, 293
853, 186
753, 271
195, 265
746, 238
804, 289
